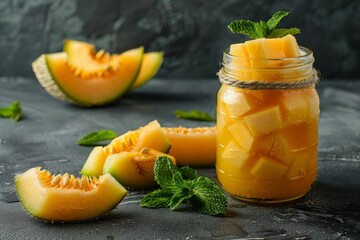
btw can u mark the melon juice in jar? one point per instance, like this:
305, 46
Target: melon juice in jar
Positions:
267, 118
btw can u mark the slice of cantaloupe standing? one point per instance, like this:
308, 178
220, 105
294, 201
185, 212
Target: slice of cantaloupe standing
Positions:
84, 88
150, 65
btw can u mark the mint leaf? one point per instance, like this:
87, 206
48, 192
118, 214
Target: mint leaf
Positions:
95, 137
282, 32
13, 111
208, 197
156, 199
275, 19
246, 27
188, 172
179, 196
164, 171
263, 29
194, 115
184, 186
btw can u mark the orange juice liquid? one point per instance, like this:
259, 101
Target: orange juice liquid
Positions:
267, 142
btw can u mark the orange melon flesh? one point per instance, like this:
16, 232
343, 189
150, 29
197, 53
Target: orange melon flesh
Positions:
96, 90
194, 147
63, 202
149, 136
82, 57
262, 54
134, 170
149, 67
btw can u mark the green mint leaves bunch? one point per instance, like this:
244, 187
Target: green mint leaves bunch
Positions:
263, 29
183, 185
12, 111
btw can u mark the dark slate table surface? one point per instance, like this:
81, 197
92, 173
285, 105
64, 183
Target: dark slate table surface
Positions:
47, 135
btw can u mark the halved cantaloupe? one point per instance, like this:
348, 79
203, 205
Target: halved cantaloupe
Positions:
64, 198
195, 147
149, 136
134, 170
97, 84
149, 67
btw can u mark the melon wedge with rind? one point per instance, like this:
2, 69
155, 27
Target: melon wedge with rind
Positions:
149, 136
150, 65
63, 198
61, 81
134, 170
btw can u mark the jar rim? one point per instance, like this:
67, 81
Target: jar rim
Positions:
304, 54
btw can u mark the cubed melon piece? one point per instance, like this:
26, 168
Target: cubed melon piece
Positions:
302, 136
273, 48
239, 50
234, 156
265, 121
267, 168
236, 103
290, 46
242, 135
313, 101
295, 107
278, 146
299, 167
240, 61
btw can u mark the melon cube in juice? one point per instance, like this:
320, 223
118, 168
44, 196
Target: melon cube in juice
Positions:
295, 107
265, 121
242, 135
278, 146
236, 103
266, 168
299, 167
234, 156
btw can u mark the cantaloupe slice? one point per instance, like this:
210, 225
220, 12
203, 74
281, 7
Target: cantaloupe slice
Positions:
87, 89
134, 170
64, 198
148, 136
195, 147
150, 65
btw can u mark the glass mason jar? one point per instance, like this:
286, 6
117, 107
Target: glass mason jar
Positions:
267, 127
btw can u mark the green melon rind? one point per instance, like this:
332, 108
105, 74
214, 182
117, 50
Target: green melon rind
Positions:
46, 80
154, 71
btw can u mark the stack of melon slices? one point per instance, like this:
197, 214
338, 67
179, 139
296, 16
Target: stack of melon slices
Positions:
82, 76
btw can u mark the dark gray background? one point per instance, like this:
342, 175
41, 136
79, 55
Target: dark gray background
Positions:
192, 33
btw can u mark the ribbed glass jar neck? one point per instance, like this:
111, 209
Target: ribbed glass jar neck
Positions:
269, 70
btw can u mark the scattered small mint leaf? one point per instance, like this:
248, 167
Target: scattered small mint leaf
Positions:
13, 111
95, 137
263, 29
184, 186
194, 115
